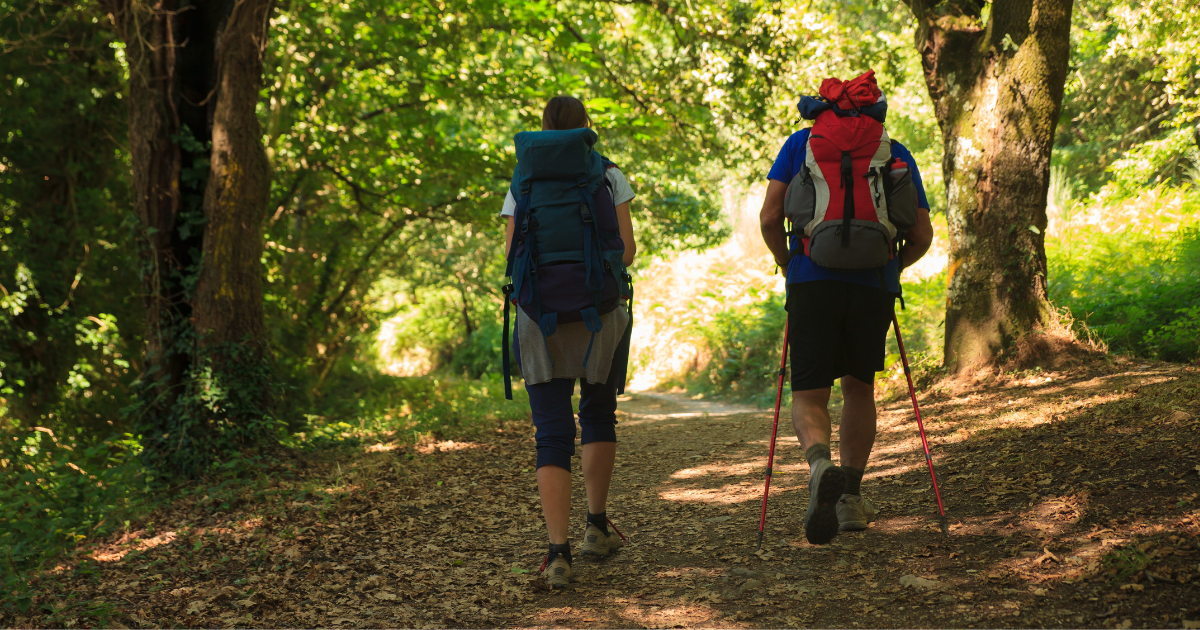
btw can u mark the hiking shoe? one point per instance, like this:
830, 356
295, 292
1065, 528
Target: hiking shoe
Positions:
824, 489
557, 572
854, 512
598, 543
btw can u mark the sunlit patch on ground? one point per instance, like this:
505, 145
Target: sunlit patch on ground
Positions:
446, 447
729, 494
668, 616
131, 542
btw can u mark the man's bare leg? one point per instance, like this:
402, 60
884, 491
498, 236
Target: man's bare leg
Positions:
857, 432
858, 428
810, 418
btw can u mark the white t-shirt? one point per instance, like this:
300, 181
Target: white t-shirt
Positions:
621, 192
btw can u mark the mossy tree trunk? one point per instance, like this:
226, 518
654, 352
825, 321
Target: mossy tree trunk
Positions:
201, 182
996, 79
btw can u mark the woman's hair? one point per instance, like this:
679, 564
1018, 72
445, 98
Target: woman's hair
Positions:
565, 112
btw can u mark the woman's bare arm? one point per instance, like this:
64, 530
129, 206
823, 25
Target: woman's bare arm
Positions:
508, 234
625, 226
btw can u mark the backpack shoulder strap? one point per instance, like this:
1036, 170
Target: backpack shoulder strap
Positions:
608, 164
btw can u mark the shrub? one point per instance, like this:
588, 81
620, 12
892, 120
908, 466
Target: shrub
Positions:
56, 490
1125, 269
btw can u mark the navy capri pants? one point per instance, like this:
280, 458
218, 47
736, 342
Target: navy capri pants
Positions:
554, 419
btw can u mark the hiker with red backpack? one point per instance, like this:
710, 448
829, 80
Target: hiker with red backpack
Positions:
858, 214
568, 242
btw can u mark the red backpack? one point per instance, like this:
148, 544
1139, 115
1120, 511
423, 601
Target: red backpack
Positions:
851, 203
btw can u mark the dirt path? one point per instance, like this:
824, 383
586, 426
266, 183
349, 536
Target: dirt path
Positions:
1072, 502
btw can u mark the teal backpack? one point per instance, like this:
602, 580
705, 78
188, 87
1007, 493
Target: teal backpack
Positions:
565, 263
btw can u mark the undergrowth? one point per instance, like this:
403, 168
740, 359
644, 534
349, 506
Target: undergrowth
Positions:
58, 490
407, 409
1127, 270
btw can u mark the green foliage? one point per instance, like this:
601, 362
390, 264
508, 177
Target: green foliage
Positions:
922, 322
1134, 286
1131, 94
1177, 340
1122, 562
1153, 161
745, 344
221, 408
392, 157
58, 489
405, 410
69, 326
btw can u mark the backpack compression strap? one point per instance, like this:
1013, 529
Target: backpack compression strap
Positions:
506, 366
592, 264
509, 292
848, 203
516, 273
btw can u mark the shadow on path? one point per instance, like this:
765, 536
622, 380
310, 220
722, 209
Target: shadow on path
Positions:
1072, 503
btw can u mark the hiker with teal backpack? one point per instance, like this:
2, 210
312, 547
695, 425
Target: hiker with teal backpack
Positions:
858, 215
568, 242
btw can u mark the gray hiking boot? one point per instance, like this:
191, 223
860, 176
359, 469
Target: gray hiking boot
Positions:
557, 572
824, 489
854, 512
597, 543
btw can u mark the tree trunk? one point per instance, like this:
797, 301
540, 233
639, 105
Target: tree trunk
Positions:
997, 89
201, 180
229, 297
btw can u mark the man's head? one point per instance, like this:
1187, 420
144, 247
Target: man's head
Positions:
565, 112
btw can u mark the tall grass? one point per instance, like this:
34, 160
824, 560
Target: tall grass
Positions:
1127, 269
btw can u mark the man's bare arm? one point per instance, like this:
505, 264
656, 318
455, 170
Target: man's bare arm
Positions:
920, 237
771, 222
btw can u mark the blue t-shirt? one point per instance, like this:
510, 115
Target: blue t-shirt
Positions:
802, 268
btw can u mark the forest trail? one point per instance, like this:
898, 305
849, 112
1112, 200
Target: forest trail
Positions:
1072, 500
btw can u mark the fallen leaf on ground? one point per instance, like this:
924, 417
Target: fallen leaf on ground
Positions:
918, 582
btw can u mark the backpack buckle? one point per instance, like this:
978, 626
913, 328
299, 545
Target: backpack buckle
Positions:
585, 212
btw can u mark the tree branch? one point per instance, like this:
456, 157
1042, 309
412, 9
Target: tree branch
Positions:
393, 227
387, 110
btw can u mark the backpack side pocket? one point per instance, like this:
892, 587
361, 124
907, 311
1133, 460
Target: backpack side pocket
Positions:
800, 202
901, 200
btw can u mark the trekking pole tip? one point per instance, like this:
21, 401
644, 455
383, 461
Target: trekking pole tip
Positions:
945, 526
759, 546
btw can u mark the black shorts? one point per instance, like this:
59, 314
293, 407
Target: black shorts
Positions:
836, 329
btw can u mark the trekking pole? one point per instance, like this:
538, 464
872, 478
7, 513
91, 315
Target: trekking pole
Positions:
912, 392
762, 520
